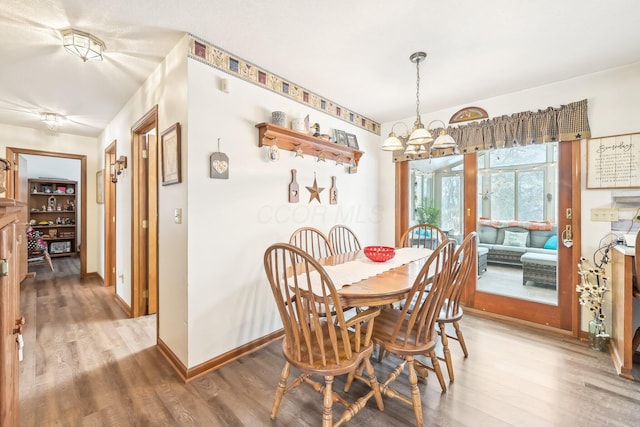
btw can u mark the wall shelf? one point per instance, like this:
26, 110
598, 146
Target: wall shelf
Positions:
291, 140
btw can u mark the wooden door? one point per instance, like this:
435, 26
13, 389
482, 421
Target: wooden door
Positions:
9, 313
562, 315
144, 241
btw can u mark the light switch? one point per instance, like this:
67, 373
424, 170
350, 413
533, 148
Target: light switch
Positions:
177, 216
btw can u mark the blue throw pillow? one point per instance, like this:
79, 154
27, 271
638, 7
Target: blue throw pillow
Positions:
552, 243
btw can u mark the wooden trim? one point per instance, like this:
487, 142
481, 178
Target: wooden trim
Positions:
110, 191
12, 151
123, 305
402, 196
189, 374
173, 360
144, 207
470, 217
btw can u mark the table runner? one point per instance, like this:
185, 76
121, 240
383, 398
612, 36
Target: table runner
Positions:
360, 269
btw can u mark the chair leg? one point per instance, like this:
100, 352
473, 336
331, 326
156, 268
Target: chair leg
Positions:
445, 350
48, 258
282, 386
460, 337
327, 402
415, 393
437, 370
373, 382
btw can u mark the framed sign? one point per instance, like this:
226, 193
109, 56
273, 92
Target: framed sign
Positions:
170, 145
614, 161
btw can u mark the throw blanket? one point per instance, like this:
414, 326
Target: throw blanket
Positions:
529, 225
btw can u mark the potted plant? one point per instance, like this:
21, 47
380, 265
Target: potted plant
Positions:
427, 213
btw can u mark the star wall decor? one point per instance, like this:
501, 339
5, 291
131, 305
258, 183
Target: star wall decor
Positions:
321, 157
339, 160
314, 190
300, 152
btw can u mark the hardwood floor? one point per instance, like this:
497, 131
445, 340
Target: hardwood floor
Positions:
86, 364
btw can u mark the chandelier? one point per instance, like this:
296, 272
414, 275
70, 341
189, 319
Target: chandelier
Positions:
418, 140
82, 44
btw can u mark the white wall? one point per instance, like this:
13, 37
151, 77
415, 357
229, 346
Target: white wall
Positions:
43, 140
167, 88
232, 222
613, 109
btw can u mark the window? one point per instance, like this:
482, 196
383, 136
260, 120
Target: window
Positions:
518, 183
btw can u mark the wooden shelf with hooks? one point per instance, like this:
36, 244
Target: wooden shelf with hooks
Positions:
291, 140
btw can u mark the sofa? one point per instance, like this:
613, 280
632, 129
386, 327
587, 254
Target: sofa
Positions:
508, 241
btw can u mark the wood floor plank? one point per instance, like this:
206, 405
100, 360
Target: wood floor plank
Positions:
87, 364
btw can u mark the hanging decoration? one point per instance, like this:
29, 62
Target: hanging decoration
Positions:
294, 192
333, 192
315, 190
219, 164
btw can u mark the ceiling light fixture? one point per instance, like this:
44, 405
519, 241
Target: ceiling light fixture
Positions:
51, 120
82, 44
420, 136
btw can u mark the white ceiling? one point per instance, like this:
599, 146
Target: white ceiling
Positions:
355, 53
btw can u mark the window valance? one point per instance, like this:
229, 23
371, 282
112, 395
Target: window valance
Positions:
567, 123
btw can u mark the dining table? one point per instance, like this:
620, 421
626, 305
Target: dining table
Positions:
361, 282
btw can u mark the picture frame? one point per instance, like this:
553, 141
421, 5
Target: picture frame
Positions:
170, 147
100, 187
352, 141
613, 161
340, 136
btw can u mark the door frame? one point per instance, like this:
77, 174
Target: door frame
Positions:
144, 203
565, 316
12, 179
109, 191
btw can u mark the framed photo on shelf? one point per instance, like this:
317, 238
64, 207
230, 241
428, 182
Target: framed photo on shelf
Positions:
352, 141
340, 136
170, 146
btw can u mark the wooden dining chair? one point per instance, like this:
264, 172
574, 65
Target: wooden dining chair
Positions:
343, 239
451, 312
315, 343
312, 241
409, 333
422, 236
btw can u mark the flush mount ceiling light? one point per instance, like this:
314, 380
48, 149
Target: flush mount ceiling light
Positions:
84, 45
416, 142
51, 120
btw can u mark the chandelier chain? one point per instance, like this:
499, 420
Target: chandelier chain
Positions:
418, 88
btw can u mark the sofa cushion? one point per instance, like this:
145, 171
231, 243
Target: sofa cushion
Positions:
552, 242
514, 238
540, 237
487, 234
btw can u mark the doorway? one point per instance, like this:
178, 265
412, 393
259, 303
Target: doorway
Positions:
17, 191
144, 238
564, 314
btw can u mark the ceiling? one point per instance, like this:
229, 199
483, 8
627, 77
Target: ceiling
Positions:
355, 53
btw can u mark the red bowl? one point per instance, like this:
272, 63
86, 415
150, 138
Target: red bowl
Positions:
379, 253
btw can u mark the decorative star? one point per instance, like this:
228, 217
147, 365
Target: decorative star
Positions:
321, 157
339, 160
315, 191
300, 152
